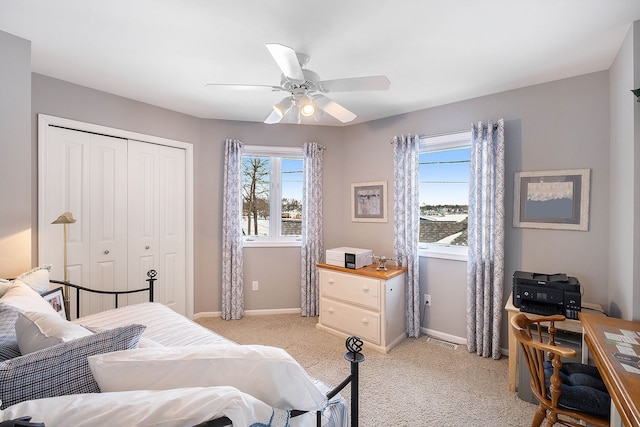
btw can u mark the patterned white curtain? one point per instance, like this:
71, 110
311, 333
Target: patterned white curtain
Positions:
312, 243
485, 263
232, 282
407, 222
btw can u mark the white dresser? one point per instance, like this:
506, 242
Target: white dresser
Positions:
364, 302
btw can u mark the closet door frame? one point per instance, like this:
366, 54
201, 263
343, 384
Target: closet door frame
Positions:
44, 121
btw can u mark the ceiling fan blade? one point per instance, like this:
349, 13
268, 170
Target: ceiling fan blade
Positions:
287, 60
355, 84
273, 118
245, 87
333, 108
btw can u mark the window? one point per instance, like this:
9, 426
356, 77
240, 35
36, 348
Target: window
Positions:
271, 195
444, 194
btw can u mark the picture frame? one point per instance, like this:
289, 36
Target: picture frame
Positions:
556, 200
369, 201
55, 298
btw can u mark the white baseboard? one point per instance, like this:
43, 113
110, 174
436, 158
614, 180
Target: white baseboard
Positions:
204, 314
446, 337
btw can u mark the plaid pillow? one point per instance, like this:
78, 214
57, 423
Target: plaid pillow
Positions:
62, 369
8, 342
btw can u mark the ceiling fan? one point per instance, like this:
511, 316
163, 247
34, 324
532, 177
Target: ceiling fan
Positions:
306, 90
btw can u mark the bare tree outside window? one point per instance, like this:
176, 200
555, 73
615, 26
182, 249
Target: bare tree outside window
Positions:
255, 191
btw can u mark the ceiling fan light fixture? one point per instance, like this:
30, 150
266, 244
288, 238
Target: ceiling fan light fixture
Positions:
307, 109
283, 106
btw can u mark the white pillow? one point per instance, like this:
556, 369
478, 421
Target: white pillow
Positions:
267, 373
166, 408
36, 331
22, 296
4, 285
37, 278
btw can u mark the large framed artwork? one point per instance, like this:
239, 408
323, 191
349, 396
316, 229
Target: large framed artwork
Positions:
552, 199
369, 201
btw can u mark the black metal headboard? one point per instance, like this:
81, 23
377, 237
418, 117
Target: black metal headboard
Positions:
151, 274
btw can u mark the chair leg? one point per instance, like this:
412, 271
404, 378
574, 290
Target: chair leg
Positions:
552, 419
539, 416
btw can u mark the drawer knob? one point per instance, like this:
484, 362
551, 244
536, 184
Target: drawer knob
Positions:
365, 288
365, 320
331, 281
330, 310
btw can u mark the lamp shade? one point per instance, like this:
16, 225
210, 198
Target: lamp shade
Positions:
65, 218
307, 108
283, 106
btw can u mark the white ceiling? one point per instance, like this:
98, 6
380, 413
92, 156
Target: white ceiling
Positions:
434, 52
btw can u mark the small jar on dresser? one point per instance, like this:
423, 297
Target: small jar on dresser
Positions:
366, 302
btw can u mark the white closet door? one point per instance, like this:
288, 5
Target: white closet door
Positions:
157, 226
86, 174
108, 215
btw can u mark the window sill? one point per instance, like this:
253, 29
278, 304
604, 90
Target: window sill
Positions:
271, 243
445, 253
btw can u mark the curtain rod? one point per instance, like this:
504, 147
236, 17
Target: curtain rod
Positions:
422, 136
437, 135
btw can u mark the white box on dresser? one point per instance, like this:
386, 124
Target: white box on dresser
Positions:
364, 302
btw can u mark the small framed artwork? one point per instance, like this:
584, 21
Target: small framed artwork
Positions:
55, 297
552, 199
369, 201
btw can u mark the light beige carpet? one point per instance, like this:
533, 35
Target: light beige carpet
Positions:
418, 383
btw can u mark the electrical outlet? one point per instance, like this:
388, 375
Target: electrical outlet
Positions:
255, 285
427, 299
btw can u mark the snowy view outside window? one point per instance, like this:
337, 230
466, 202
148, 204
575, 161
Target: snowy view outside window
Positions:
272, 196
444, 196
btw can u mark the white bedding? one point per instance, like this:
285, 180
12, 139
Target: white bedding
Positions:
164, 326
167, 328
167, 408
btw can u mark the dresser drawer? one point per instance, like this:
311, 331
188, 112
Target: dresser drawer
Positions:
361, 290
351, 320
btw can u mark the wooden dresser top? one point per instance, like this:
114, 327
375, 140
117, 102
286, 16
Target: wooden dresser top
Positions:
370, 270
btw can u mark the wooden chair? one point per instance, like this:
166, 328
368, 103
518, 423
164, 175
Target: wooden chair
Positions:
573, 391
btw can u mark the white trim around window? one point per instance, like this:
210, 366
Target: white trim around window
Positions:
277, 152
435, 143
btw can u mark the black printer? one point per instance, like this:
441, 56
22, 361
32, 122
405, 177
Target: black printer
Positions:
547, 294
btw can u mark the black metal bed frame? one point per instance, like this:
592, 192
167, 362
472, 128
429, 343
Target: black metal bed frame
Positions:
151, 274
353, 356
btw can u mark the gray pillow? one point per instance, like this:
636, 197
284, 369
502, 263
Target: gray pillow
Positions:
62, 369
8, 342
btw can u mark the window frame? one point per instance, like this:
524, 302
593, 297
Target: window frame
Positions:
275, 170
434, 143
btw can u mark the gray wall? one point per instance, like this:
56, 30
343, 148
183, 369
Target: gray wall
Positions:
559, 125
624, 238
15, 155
623, 188
58, 98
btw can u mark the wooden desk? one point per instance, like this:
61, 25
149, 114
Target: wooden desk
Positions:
570, 325
623, 386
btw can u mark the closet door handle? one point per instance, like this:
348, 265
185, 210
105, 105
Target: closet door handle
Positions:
106, 251
147, 247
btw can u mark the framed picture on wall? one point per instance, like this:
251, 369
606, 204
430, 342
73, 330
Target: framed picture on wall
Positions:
369, 201
55, 298
552, 199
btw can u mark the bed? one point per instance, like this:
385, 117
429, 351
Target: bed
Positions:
144, 364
